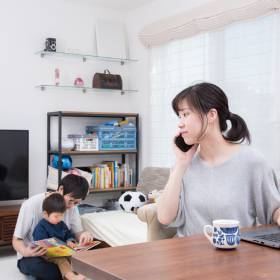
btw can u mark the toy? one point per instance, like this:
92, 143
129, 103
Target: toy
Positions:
66, 162
153, 196
79, 82
56, 76
130, 201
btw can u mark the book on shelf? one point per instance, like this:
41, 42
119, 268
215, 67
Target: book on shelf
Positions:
58, 248
111, 174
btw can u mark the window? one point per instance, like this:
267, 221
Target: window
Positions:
242, 58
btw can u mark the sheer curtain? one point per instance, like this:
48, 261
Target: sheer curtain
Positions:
244, 59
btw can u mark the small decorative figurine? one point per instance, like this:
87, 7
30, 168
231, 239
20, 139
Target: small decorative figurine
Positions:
79, 82
56, 77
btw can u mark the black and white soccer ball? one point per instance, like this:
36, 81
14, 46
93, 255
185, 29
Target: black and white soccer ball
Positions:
130, 201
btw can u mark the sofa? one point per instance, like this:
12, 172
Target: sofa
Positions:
119, 228
153, 178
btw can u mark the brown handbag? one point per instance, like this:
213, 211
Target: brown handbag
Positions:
107, 80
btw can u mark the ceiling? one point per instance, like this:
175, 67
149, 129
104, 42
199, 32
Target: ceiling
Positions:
121, 5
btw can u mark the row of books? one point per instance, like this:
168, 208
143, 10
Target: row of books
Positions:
111, 174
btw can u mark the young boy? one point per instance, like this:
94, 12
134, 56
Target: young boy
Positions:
52, 226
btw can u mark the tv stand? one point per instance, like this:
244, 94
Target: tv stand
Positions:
8, 219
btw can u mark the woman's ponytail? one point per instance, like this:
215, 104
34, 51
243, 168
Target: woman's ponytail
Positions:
239, 131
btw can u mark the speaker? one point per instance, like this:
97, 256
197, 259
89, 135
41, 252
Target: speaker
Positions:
50, 45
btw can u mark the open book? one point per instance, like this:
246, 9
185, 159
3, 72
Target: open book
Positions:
58, 248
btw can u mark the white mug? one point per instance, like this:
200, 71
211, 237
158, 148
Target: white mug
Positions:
224, 234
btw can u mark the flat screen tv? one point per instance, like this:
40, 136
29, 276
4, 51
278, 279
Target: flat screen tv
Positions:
14, 157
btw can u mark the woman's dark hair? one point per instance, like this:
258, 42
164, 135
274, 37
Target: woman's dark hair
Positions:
54, 203
205, 96
76, 186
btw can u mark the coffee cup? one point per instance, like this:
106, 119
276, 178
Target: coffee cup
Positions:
223, 234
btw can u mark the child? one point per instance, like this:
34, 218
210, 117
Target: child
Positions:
52, 226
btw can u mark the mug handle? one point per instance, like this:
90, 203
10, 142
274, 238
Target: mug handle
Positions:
206, 230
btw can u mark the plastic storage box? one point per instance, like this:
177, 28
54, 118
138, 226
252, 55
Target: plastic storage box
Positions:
114, 137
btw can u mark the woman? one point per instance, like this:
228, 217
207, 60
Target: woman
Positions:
218, 178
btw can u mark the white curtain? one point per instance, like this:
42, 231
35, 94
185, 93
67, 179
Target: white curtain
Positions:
207, 17
243, 59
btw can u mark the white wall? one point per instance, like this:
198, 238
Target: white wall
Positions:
136, 20
24, 25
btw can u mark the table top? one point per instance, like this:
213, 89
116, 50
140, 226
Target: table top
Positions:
179, 258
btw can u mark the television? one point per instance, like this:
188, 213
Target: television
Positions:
14, 162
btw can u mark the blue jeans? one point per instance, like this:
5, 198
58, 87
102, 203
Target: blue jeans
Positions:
39, 268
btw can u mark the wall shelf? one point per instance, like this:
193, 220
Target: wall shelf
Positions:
84, 89
85, 57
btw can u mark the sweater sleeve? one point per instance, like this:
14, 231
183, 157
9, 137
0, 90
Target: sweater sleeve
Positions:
266, 194
39, 232
180, 218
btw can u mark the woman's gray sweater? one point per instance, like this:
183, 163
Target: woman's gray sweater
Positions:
243, 188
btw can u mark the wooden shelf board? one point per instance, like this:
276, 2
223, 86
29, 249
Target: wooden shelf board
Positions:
67, 152
91, 114
93, 190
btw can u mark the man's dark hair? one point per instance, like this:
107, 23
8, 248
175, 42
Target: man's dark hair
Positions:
54, 203
76, 186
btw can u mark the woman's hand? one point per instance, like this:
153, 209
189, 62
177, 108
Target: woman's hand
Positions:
276, 216
85, 237
34, 252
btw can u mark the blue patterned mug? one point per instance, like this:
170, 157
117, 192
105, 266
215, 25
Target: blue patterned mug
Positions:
223, 234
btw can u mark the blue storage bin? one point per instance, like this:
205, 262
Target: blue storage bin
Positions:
114, 137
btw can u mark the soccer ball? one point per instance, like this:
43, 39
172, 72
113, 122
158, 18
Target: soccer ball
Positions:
130, 201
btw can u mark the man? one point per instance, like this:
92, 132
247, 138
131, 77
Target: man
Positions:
74, 189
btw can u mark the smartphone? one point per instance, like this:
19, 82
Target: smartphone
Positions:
180, 143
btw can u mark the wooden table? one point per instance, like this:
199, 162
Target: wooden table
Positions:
179, 258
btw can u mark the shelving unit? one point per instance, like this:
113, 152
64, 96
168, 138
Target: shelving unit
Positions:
60, 115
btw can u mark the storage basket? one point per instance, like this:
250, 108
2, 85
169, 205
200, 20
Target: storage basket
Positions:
114, 137
85, 142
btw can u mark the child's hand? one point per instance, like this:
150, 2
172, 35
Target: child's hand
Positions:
71, 244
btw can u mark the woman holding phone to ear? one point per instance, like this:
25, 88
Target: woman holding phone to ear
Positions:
218, 177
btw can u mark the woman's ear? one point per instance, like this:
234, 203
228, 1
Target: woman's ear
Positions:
212, 115
60, 190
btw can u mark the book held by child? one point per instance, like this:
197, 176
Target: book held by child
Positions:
58, 248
